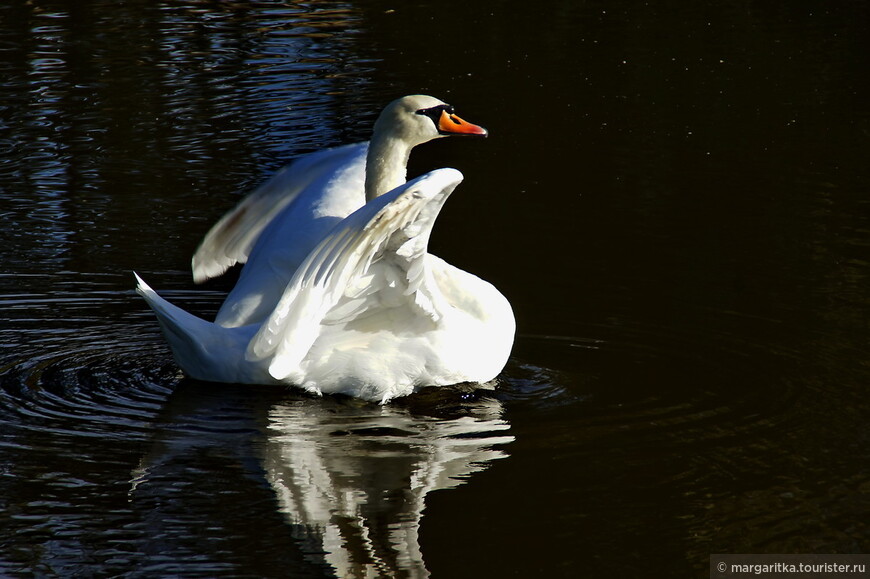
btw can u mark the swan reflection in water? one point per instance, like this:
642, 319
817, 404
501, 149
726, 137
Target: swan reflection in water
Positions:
350, 477
354, 484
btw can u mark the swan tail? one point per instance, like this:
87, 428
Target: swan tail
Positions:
338, 280
203, 350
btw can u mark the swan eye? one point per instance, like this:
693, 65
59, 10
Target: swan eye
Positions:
434, 113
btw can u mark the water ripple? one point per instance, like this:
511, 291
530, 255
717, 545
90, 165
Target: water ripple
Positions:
69, 367
639, 389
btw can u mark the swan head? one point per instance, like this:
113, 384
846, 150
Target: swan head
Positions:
404, 124
416, 119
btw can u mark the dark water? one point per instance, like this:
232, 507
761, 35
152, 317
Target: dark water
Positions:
675, 199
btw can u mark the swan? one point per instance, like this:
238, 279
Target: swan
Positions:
272, 230
339, 293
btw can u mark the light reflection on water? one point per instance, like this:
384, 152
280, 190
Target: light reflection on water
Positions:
354, 484
675, 206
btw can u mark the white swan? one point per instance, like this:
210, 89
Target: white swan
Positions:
273, 229
339, 293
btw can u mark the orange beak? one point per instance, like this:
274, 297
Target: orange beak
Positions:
449, 124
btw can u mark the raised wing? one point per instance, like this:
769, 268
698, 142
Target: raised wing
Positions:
375, 256
231, 239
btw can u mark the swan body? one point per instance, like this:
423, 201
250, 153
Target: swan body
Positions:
339, 293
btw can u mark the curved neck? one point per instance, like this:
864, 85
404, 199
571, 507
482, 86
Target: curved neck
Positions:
386, 164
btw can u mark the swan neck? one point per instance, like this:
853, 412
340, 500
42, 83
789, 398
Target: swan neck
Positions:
386, 165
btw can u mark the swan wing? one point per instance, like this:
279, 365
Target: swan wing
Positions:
231, 239
376, 253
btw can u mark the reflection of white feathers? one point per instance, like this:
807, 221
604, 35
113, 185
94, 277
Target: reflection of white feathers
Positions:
369, 312
354, 484
348, 479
